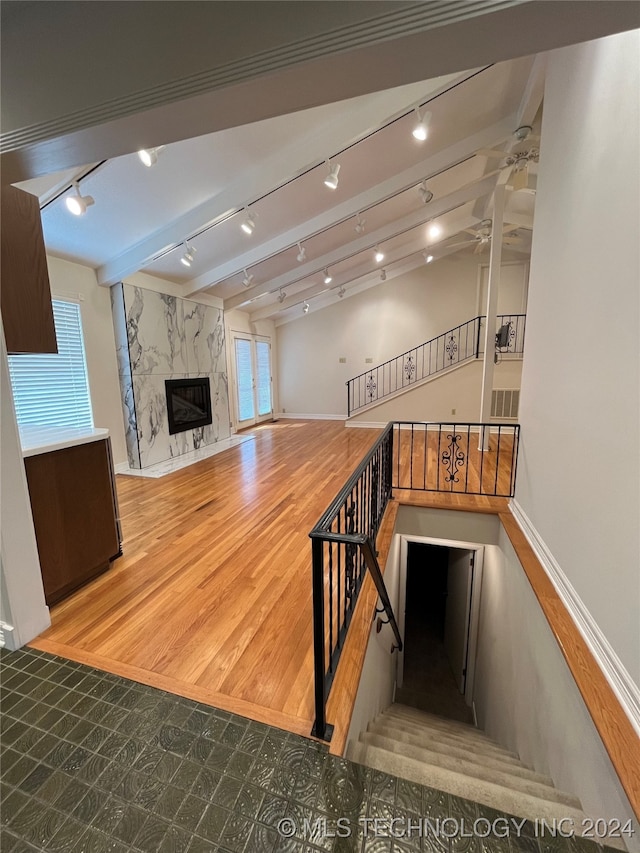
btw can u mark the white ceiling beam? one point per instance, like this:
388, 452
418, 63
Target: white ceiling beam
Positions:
438, 162
533, 93
368, 241
304, 152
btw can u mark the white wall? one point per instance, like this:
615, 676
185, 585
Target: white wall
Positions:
79, 283
437, 399
24, 613
378, 676
525, 695
379, 323
579, 463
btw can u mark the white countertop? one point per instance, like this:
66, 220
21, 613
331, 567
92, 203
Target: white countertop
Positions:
36, 440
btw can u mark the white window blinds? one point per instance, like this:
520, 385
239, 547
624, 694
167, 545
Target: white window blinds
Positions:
53, 390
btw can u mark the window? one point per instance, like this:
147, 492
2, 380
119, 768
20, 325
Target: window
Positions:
53, 390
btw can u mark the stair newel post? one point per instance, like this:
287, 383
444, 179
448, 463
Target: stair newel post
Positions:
320, 728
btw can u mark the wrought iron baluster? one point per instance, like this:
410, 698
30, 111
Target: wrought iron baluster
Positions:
438, 458
331, 605
482, 452
495, 485
466, 477
453, 458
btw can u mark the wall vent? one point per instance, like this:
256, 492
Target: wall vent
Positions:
504, 402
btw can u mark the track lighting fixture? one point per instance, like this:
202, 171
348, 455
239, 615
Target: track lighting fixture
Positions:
331, 180
78, 203
189, 252
305, 307
342, 291
425, 193
327, 278
360, 223
149, 156
427, 258
302, 253
249, 222
434, 231
383, 275
248, 278
281, 296
421, 128
379, 256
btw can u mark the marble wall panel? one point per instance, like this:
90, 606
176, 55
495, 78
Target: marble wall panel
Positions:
120, 329
155, 332
204, 338
154, 440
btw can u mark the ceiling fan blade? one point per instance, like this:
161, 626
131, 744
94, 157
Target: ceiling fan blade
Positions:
519, 180
512, 241
462, 243
492, 152
471, 231
479, 248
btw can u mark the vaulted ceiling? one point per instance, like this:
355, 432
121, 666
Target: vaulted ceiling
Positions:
199, 192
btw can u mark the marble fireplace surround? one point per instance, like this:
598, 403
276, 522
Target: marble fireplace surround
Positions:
161, 337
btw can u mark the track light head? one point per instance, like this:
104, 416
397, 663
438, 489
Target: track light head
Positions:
427, 257
434, 232
327, 278
248, 278
249, 222
78, 203
302, 253
281, 296
305, 307
425, 193
379, 256
189, 252
331, 179
342, 291
421, 128
383, 275
149, 156
360, 223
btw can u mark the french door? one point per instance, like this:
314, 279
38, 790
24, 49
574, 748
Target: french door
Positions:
252, 361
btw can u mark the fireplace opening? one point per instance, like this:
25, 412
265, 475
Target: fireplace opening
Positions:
188, 403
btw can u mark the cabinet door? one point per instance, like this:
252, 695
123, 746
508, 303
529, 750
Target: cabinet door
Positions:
25, 294
73, 515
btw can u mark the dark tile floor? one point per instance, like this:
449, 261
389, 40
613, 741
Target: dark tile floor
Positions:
92, 762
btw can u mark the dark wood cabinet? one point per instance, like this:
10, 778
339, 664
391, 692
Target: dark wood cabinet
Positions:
74, 515
25, 294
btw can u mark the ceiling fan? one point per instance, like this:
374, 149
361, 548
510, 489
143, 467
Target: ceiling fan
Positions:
518, 159
482, 237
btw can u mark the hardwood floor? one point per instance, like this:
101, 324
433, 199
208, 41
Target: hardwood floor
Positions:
212, 597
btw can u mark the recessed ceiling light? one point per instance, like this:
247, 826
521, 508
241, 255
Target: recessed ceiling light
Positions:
327, 278
331, 179
379, 256
434, 232
78, 203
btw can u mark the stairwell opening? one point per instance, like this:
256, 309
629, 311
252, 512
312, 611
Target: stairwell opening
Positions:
440, 585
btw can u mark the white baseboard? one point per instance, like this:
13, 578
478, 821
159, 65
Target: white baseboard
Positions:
624, 687
307, 417
8, 638
365, 424
121, 468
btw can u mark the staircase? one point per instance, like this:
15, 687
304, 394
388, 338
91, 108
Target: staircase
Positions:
462, 760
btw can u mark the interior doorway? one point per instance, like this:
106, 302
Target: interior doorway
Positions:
439, 604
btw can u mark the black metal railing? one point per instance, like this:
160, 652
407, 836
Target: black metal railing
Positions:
343, 549
458, 345
472, 458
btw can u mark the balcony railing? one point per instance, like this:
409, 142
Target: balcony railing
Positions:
460, 344
463, 458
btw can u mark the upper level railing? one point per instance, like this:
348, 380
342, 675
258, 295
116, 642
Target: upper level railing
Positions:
458, 345
463, 458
